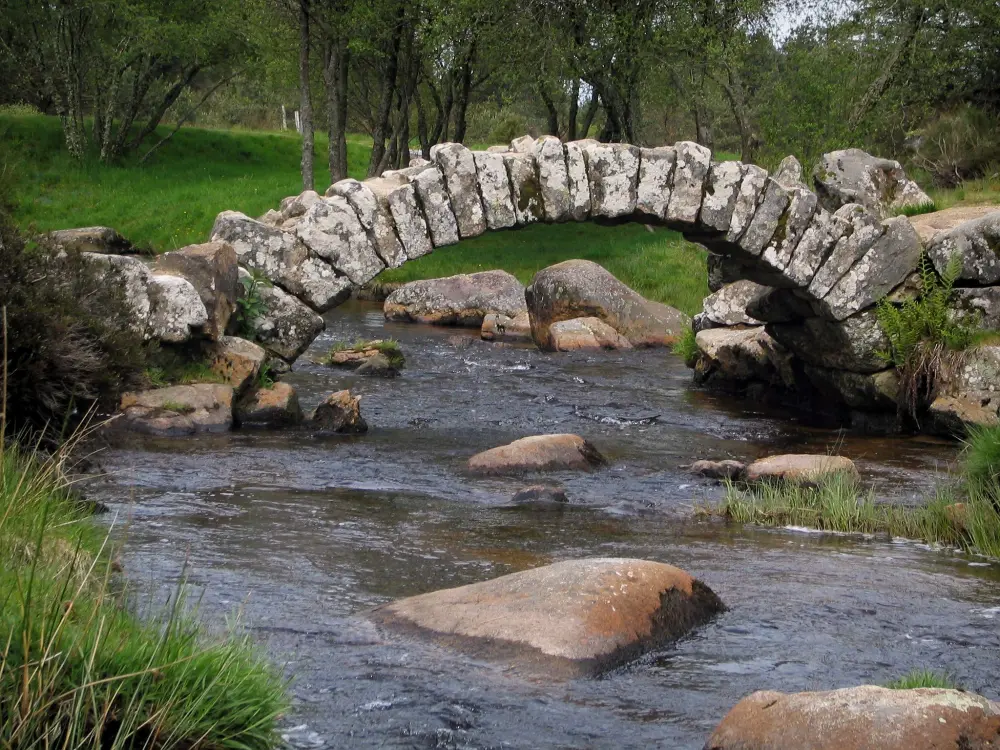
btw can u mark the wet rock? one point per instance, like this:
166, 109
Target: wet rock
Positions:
500, 327
736, 355
953, 415
494, 185
282, 258
854, 344
575, 617
613, 173
102, 240
211, 269
377, 366
728, 305
690, 171
656, 171
277, 406
892, 258
929, 225
375, 216
178, 410
722, 190
464, 300
339, 413
459, 168
355, 356
285, 327
799, 468
581, 288
586, 334
552, 177
538, 453
176, 312
525, 188
237, 360
579, 184
859, 718
878, 391
854, 176
434, 199
332, 231
789, 174
727, 469
977, 242
540, 495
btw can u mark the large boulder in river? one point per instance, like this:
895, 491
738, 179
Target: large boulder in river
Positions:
739, 355
585, 333
538, 453
340, 413
236, 360
860, 718
284, 326
583, 289
854, 176
276, 406
977, 243
178, 410
570, 618
799, 468
211, 269
462, 300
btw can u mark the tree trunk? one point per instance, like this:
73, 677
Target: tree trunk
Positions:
464, 91
335, 73
388, 95
574, 106
589, 114
702, 123
750, 141
305, 96
552, 127
422, 136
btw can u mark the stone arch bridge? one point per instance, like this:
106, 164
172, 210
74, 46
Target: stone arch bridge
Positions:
816, 264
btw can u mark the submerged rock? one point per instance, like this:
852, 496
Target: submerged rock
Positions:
178, 410
799, 468
585, 333
538, 453
378, 366
462, 300
570, 618
540, 495
582, 289
340, 413
727, 469
860, 718
277, 406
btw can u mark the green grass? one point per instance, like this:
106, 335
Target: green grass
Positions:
923, 678
970, 193
79, 669
917, 209
660, 265
982, 454
687, 347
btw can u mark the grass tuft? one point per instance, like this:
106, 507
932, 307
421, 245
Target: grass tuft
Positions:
982, 454
923, 678
687, 347
917, 209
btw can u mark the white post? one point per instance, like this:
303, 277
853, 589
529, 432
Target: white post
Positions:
284, 118
298, 122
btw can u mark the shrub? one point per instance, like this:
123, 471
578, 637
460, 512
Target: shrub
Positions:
250, 304
686, 347
510, 127
959, 145
69, 336
924, 334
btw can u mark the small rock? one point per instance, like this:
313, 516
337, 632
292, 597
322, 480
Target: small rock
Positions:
378, 366
586, 334
799, 468
237, 360
859, 718
178, 410
500, 327
340, 413
540, 495
277, 406
538, 453
727, 469
789, 173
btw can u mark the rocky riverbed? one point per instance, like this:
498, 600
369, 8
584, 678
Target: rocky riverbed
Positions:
306, 534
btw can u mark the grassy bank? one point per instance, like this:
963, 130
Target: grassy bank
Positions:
79, 669
964, 512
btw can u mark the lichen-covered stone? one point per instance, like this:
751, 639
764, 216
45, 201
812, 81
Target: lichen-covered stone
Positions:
400, 198
789, 174
459, 169
135, 276
722, 189
553, 178
862, 231
656, 171
854, 176
462, 300
494, 185
211, 268
286, 326
339, 413
977, 242
579, 184
176, 311
853, 344
525, 188
236, 360
727, 306
330, 228
375, 216
791, 227
981, 302
818, 241
613, 173
276, 406
722, 270
766, 219
178, 410
435, 201
690, 172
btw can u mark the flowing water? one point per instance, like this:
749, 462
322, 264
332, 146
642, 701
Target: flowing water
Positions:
305, 534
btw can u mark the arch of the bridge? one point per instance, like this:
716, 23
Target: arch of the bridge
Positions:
319, 248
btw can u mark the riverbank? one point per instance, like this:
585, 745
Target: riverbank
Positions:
79, 667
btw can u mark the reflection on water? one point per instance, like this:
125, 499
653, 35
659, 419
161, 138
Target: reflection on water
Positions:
304, 534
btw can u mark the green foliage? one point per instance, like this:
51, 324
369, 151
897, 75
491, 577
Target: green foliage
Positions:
917, 209
924, 333
178, 407
250, 304
71, 340
981, 457
923, 678
170, 365
507, 129
79, 669
265, 378
959, 145
686, 347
